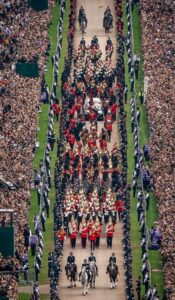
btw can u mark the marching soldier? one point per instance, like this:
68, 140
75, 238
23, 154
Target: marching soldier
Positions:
110, 228
92, 237
84, 233
73, 236
61, 234
97, 233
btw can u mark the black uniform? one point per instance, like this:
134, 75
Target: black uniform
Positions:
112, 259
71, 259
92, 258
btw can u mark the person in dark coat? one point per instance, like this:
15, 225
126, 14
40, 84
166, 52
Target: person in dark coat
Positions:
26, 234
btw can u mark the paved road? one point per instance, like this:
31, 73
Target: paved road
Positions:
94, 10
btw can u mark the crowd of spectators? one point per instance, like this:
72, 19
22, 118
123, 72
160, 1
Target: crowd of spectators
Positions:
23, 37
8, 286
157, 18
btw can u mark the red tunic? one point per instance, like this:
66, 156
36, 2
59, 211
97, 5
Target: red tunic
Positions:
108, 126
92, 235
74, 234
61, 234
110, 230
98, 231
84, 232
90, 224
119, 206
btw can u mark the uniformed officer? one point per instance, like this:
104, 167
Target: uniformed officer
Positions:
71, 258
86, 265
112, 259
92, 257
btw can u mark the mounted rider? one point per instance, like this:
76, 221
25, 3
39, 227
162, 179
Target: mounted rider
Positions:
87, 267
94, 41
71, 258
82, 16
71, 265
113, 265
93, 258
70, 261
112, 258
81, 10
108, 16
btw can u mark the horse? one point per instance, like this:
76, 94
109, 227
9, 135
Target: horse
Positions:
83, 25
84, 280
112, 269
107, 24
71, 272
93, 271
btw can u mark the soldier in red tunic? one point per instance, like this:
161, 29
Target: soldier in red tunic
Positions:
92, 237
84, 233
97, 233
73, 236
119, 207
110, 228
61, 234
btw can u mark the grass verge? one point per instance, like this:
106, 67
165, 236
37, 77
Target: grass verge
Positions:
25, 296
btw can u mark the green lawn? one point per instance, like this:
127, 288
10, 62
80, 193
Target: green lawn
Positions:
152, 215
41, 137
24, 296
